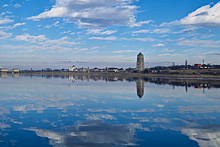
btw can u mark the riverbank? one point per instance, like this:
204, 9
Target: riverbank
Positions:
126, 74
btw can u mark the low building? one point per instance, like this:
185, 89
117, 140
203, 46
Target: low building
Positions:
15, 70
3, 69
112, 69
197, 65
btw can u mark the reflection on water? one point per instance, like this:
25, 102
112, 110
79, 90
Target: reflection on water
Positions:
3, 75
90, 133
93, 110
206, 136
140, 87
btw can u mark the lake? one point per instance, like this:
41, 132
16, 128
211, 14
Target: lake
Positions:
105, 111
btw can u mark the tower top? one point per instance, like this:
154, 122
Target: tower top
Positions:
140, 54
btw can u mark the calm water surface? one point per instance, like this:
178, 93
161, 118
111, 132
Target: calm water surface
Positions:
97, 111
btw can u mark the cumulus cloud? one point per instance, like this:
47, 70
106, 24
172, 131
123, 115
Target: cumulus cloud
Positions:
187, 30
84, 49
14, 26
95, 47
140, 31
61, 41
92, 52
17, 5
5, 20
6, 5
41, 39
66, 32
94, 13
167, 54
200, 43
206, 16
167, 50
140, 39
158, 31
4, 35
139, 24
52, 25
124, 51
29, 38
158, 45
99, 32
101, 38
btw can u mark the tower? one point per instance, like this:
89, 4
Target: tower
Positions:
140, 62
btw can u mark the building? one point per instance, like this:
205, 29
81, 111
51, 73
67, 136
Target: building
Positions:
71, 68
15, 70
112, 69
3, 69
140, 62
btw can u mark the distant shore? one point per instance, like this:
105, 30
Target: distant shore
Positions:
127, 74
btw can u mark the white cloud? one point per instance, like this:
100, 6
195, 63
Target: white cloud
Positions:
84, 49
167, 50
187, 30
99, 32
158, 45
95, 48
139, 24
61, 41
31, 39
36, 48
101, 38
14, 26
41, 39
54, 24
206, 16
92, 52
17, 5
65, 32
5, 20
167, 54
158, 31
4, 35
140, 31
141, 39
94, 13
176, 22
7, 12
124, 51
6, 5
199, 43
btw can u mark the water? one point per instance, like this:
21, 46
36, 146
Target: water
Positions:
101, 111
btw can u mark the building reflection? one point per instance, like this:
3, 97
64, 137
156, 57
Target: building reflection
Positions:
3, 75
140, 87
15, 75
186, 83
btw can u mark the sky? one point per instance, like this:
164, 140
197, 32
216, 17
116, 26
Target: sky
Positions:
108, 33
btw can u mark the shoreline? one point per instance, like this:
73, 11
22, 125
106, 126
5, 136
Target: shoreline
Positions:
124, 74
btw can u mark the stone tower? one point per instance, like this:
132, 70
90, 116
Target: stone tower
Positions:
140, 62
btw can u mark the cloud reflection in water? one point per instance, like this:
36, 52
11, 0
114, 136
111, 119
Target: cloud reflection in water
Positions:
89, 134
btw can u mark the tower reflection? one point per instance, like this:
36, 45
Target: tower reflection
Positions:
140, 87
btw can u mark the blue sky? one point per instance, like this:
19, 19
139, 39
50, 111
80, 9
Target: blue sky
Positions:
99, 33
